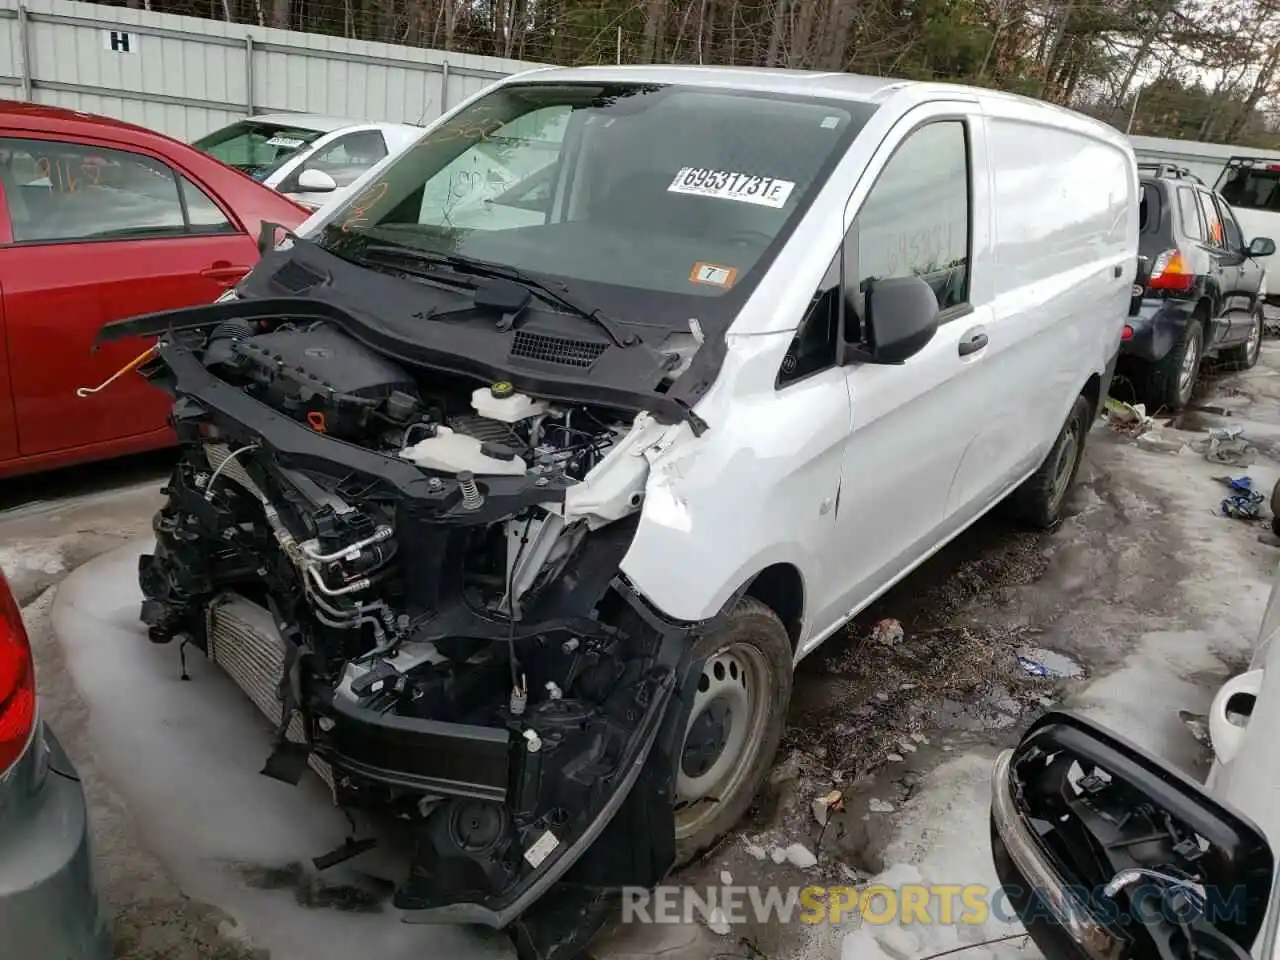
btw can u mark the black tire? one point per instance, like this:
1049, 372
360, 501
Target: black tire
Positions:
1038, 502
1162, 385
1245, 355
755, 632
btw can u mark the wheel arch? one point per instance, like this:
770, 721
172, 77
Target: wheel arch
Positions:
780, 587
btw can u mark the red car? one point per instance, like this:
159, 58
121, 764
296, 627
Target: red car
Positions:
102, 220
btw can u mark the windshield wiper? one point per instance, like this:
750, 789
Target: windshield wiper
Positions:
481, 268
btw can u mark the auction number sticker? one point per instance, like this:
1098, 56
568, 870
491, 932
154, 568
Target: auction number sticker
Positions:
727, 185
291, 143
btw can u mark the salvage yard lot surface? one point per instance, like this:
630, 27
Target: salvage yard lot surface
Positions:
1140, 605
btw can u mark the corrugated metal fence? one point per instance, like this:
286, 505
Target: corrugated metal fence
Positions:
186, 76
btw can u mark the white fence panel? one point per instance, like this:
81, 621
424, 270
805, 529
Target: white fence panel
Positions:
186, 76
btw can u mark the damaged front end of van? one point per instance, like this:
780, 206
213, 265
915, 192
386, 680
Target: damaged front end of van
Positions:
423, 445
418, 579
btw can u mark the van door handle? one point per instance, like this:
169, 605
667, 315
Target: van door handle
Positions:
972, 341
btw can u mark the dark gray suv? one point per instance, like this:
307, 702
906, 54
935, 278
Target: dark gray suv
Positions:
1197, 290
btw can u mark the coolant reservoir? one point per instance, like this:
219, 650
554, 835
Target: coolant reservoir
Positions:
451, 452
501, 402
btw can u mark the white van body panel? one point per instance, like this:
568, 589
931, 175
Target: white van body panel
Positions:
852, 477
858, 474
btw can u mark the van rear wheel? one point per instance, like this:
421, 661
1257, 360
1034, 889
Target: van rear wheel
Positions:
734, 724
1039, 501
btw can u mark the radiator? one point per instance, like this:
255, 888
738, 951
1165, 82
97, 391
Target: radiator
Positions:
244, 642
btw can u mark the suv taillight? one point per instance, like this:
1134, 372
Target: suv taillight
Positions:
17, 681
1171, 272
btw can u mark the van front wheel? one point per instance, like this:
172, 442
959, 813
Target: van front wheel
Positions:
1039, 501
734, 724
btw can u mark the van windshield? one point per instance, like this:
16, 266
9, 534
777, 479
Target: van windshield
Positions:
673, 192
1251, 184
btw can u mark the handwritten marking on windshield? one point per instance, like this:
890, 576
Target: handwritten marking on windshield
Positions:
358, 215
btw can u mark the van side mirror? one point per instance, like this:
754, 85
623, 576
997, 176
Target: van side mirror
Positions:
1105, 851
311, 180
1261, 247
901, 317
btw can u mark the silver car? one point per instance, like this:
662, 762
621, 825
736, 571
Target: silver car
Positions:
48, 901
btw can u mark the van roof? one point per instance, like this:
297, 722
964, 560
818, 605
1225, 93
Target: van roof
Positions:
803, 83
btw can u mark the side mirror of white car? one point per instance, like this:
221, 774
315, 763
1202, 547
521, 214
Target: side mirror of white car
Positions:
312, 180
1105, 851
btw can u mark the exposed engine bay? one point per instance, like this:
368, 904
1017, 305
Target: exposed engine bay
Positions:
435, 560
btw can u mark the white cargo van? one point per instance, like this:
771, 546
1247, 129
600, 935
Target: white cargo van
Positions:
547, 501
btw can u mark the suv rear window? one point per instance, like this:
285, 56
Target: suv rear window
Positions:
1149, 209
1251, 188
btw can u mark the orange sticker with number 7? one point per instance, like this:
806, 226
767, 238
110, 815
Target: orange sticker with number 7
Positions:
713, 274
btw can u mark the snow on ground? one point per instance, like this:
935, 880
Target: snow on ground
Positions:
1144, 586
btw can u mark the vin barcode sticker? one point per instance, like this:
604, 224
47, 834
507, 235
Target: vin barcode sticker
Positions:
725, 185
541, 849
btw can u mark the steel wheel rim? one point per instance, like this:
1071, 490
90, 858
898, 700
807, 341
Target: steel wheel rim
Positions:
1065, 463
1187, 373
723, 736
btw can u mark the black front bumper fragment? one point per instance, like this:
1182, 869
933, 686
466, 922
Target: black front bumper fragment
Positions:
501, 911
449, 759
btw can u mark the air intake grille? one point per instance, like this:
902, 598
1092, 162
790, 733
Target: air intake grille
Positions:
295, 278
244, 642
561, 350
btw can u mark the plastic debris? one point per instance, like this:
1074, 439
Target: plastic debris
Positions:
778, 855
823, 806
1048, 663
726, 878
1128, 418
1225, 445
893, 757
880, 806
1244, 503
800, 856
888, 632
1198, 724
755, 851
717, 923
1156, 442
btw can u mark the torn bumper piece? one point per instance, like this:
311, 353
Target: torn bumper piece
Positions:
448, 759
425, 899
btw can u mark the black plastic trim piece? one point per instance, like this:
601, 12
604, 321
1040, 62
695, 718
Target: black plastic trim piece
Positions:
537, 883
452, 759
